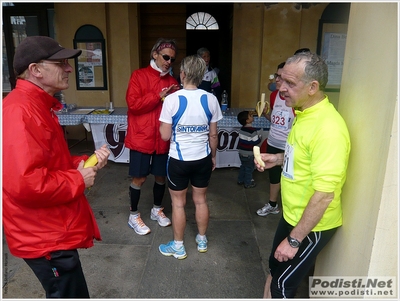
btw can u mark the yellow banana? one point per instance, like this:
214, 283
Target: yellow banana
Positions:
257, 155
267, 107
97, 112
261, 105
92, 161
259, 108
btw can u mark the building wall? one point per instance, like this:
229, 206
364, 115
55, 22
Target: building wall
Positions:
118, 23
264, 35
367, 243
68, 18
123, 53
258, 44
246, 54
287, 27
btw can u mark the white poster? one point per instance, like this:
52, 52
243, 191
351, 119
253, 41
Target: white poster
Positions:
333, 53
86, 74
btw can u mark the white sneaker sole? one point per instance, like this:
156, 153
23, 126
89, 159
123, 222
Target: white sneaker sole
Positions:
154, 218
201, 250
140, 233
265, 214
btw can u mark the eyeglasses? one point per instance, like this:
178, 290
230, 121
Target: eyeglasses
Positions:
167, 58
63, 63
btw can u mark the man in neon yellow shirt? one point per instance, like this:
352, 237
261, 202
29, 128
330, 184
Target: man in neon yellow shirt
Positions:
313, 173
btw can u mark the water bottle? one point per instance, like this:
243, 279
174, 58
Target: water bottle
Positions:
224, 101
64, 108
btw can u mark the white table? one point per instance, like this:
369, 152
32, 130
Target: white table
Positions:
111, 130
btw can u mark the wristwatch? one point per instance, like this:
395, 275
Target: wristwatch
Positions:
293, 242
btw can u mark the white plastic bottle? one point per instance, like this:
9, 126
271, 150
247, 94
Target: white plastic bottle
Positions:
64, 108
224, 101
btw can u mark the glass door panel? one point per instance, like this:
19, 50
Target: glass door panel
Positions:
20, 20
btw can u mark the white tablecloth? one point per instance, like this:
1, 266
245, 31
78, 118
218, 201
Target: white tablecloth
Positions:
111, 130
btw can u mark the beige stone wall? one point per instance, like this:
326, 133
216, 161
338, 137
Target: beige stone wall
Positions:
123, 48
367, 243
118, 23
246, 54
265, 35
68, 18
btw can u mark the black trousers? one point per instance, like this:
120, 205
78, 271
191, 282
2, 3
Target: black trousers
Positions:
61, 276
287, 275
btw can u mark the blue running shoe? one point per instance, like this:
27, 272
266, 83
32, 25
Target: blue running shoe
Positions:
169, 250
201, 244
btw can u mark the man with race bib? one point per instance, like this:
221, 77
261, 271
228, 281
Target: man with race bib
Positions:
314, 167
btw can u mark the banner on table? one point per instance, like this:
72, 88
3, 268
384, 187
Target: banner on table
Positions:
228, 139
113, 135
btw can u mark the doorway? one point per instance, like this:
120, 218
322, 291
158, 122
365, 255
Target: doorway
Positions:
219, 42
173, 25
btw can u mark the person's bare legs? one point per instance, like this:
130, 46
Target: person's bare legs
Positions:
274, 190
202, 212
159, 179
138, 181
267, 288
178, 201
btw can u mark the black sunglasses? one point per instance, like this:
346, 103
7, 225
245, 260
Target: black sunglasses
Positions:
167, 58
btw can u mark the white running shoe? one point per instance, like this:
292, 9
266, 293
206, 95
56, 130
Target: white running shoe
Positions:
157, 214
137, 224
268, 209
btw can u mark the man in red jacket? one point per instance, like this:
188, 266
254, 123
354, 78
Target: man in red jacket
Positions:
147, 89
46, 215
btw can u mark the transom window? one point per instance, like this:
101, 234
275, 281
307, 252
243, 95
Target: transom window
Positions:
201, 21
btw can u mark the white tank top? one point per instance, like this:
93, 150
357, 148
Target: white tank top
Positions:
281, 123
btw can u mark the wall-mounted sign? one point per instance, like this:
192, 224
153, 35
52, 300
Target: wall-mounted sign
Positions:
333, 53
331, 46
91, 72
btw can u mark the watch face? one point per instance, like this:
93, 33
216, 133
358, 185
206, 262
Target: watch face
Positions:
293, 242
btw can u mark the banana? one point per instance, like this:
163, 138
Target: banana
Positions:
257, 155
267, 107
97, 112
261, 105
92, 161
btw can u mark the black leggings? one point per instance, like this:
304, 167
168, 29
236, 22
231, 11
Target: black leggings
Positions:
287, 276
274, 172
